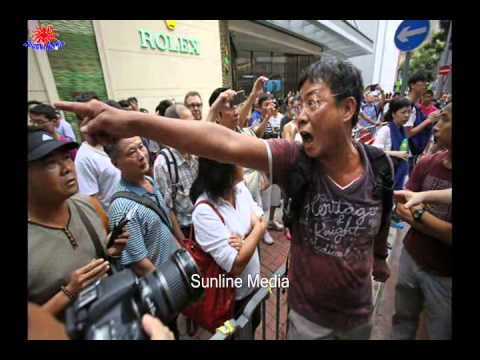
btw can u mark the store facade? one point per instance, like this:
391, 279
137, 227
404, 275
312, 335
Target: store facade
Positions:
154, 60
151, 60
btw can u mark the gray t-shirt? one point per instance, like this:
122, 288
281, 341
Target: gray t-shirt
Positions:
51, 255
333, 243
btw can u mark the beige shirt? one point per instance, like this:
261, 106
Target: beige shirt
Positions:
51, 255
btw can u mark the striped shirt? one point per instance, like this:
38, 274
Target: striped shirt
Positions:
149, 236
187, 173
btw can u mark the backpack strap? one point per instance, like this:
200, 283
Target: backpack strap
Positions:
147, 203
383, 170
170, 162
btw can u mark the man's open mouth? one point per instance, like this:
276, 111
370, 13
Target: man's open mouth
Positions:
306, 137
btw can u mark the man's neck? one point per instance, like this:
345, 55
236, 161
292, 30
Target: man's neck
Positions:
343, 164
48, 213
140, 181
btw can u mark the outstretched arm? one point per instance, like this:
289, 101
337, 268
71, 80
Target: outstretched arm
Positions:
204, 139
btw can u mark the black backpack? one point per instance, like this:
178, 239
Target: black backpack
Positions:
299, 179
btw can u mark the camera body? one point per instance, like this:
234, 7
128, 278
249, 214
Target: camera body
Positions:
112, 308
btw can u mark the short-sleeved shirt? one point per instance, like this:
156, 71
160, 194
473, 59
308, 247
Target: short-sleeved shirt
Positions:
333, 243
252, 177
383, 139
187, 173
150, 237
96, 174
255, 119
429, 253
65, 129
272, 129
212, 235
427, 110
52, 257
370, 110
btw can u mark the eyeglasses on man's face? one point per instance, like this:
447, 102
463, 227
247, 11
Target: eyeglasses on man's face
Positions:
313, 101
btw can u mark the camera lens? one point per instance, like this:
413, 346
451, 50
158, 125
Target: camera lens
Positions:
168, 290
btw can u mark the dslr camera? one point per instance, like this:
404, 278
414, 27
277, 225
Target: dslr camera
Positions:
112, 308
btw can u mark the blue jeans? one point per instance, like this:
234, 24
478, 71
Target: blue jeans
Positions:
417, 290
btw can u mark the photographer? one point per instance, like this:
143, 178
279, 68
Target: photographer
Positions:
66, 237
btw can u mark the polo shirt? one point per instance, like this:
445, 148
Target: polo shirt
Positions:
149, 236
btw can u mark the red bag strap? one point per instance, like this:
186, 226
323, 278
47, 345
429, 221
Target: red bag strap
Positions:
212, 206
206, 202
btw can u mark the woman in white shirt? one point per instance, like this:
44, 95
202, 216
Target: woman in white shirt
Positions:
392, 138
222, 185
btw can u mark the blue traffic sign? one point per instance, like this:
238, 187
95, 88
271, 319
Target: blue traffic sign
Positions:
411, 33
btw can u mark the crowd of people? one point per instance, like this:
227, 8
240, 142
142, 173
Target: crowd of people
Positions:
221, 178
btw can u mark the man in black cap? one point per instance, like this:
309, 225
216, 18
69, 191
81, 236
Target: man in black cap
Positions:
66, 237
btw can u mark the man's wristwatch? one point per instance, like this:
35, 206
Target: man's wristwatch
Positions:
417, 214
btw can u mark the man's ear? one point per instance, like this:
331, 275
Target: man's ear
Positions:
349, 106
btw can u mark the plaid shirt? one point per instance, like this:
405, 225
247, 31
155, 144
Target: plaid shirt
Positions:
187, 173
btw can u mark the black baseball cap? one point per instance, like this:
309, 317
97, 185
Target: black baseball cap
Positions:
41, 144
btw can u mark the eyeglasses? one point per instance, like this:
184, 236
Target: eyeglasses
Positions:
195, 105
313, 102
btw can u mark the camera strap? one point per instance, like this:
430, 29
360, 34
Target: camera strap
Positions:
142, 200
99, 249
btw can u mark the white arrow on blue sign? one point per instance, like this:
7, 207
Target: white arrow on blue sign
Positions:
411, 33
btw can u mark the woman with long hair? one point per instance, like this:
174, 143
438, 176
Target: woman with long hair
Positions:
392, 138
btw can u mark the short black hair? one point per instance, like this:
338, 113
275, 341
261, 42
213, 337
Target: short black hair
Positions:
114, 104
215, 94
112, 150
191, 93
395, 105
264, 98
342, 77
130, 99
86, 96
33, 102
124, 104
417, 77
162, 106
45, 110
214, 178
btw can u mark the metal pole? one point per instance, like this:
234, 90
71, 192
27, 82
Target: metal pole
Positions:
277, 316
405, 72
264, 325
